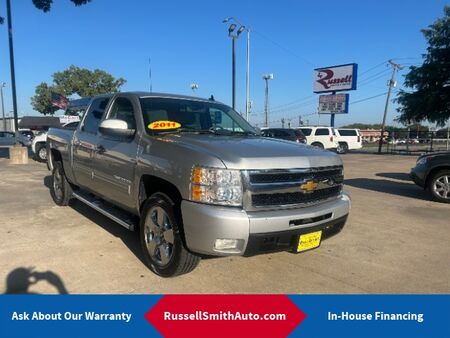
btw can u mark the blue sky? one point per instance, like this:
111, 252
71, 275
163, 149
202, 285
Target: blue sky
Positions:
188, 43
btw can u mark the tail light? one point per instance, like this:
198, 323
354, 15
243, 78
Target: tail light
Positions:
359, 139
331, 138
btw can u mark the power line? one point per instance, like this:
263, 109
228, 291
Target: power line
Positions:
368, 98
283, 47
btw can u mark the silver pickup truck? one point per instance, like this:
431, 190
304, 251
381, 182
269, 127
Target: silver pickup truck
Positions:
196, 179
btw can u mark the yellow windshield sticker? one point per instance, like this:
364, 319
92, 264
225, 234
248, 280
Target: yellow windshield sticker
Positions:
161, 125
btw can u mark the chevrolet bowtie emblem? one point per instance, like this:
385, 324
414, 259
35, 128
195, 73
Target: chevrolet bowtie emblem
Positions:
309, 186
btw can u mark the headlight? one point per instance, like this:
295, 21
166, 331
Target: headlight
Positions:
216, 186
422, 161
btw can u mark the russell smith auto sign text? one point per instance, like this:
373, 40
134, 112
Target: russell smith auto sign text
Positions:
336, 78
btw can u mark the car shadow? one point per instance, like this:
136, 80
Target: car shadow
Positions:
389, 187
21, 279
129, 238
395, 176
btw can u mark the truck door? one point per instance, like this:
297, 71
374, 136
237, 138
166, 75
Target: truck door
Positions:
115, 158
84, 143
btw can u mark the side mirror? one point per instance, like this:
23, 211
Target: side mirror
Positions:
115, 128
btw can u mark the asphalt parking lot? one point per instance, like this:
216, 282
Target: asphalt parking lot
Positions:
395, 241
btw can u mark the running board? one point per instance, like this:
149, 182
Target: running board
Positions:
106, 209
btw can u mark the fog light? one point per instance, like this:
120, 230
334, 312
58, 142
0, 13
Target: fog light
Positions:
226, 244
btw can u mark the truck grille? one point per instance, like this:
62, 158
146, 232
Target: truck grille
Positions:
262, 200
280, 177
279, 187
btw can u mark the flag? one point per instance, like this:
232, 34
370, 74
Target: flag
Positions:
59, 100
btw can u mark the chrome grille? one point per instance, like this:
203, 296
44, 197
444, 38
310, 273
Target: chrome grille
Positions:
268, 189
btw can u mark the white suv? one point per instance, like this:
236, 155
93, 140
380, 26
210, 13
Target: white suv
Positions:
321, 137
348, 139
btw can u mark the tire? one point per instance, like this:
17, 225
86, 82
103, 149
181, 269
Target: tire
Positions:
318, 145
161, 241
439, 186
41, 152
61, 190
342, 148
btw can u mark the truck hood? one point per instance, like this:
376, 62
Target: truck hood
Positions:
238, 152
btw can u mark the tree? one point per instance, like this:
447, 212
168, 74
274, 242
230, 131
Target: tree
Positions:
430, 83
45, 5
84, 82
74, 80
42, 101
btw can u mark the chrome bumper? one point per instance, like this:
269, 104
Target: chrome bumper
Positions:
203, 224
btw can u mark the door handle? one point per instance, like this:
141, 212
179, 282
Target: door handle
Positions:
100, 149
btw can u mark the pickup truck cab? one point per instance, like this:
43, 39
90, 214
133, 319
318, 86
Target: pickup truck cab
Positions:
196, 179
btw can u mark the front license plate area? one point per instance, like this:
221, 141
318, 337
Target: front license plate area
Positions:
309, 241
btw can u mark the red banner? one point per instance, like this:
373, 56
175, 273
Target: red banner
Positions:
225, 316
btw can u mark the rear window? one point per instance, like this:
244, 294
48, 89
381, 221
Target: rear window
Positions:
347, 132
299, 133
322, 131
306, 131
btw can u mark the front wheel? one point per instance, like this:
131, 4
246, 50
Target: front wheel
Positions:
439, 186
161, 241
41, 152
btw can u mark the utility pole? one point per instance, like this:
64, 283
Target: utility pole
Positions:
2, 85
392, 83
13, 73
282, 122
267, 77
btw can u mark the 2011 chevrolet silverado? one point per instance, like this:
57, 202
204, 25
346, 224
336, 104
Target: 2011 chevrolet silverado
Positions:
196, 179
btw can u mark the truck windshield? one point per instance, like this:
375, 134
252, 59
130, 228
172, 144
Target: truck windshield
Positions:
192, 116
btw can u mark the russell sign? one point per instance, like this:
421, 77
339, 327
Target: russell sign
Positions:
335, 78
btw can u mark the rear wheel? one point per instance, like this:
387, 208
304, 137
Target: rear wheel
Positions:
439, 186
161, 241
61, 190
342, 148
318, 145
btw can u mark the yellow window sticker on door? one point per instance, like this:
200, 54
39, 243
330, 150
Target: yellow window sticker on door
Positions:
161, 125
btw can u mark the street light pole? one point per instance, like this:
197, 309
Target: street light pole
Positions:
2, 85
247, 79
247, 73
233, 72
267, 77
13, 74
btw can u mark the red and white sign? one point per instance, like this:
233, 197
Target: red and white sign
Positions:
336, 78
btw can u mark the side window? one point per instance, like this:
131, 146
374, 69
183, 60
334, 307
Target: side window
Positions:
347, 132
95, 114
306, 131
322, 131
122, 109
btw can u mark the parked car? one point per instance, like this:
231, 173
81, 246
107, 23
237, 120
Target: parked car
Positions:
8, 138
348, 139
432, 172
293, 135
39, 143
197, 179
321, 137
27, 133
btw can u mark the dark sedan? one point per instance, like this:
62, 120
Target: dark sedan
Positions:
432, 172
294, 135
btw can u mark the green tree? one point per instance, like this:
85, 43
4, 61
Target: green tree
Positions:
42, 101
429, 99
84, 82
74, 80
45, 5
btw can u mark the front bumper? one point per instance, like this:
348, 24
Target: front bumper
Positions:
418, 176
259, 231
